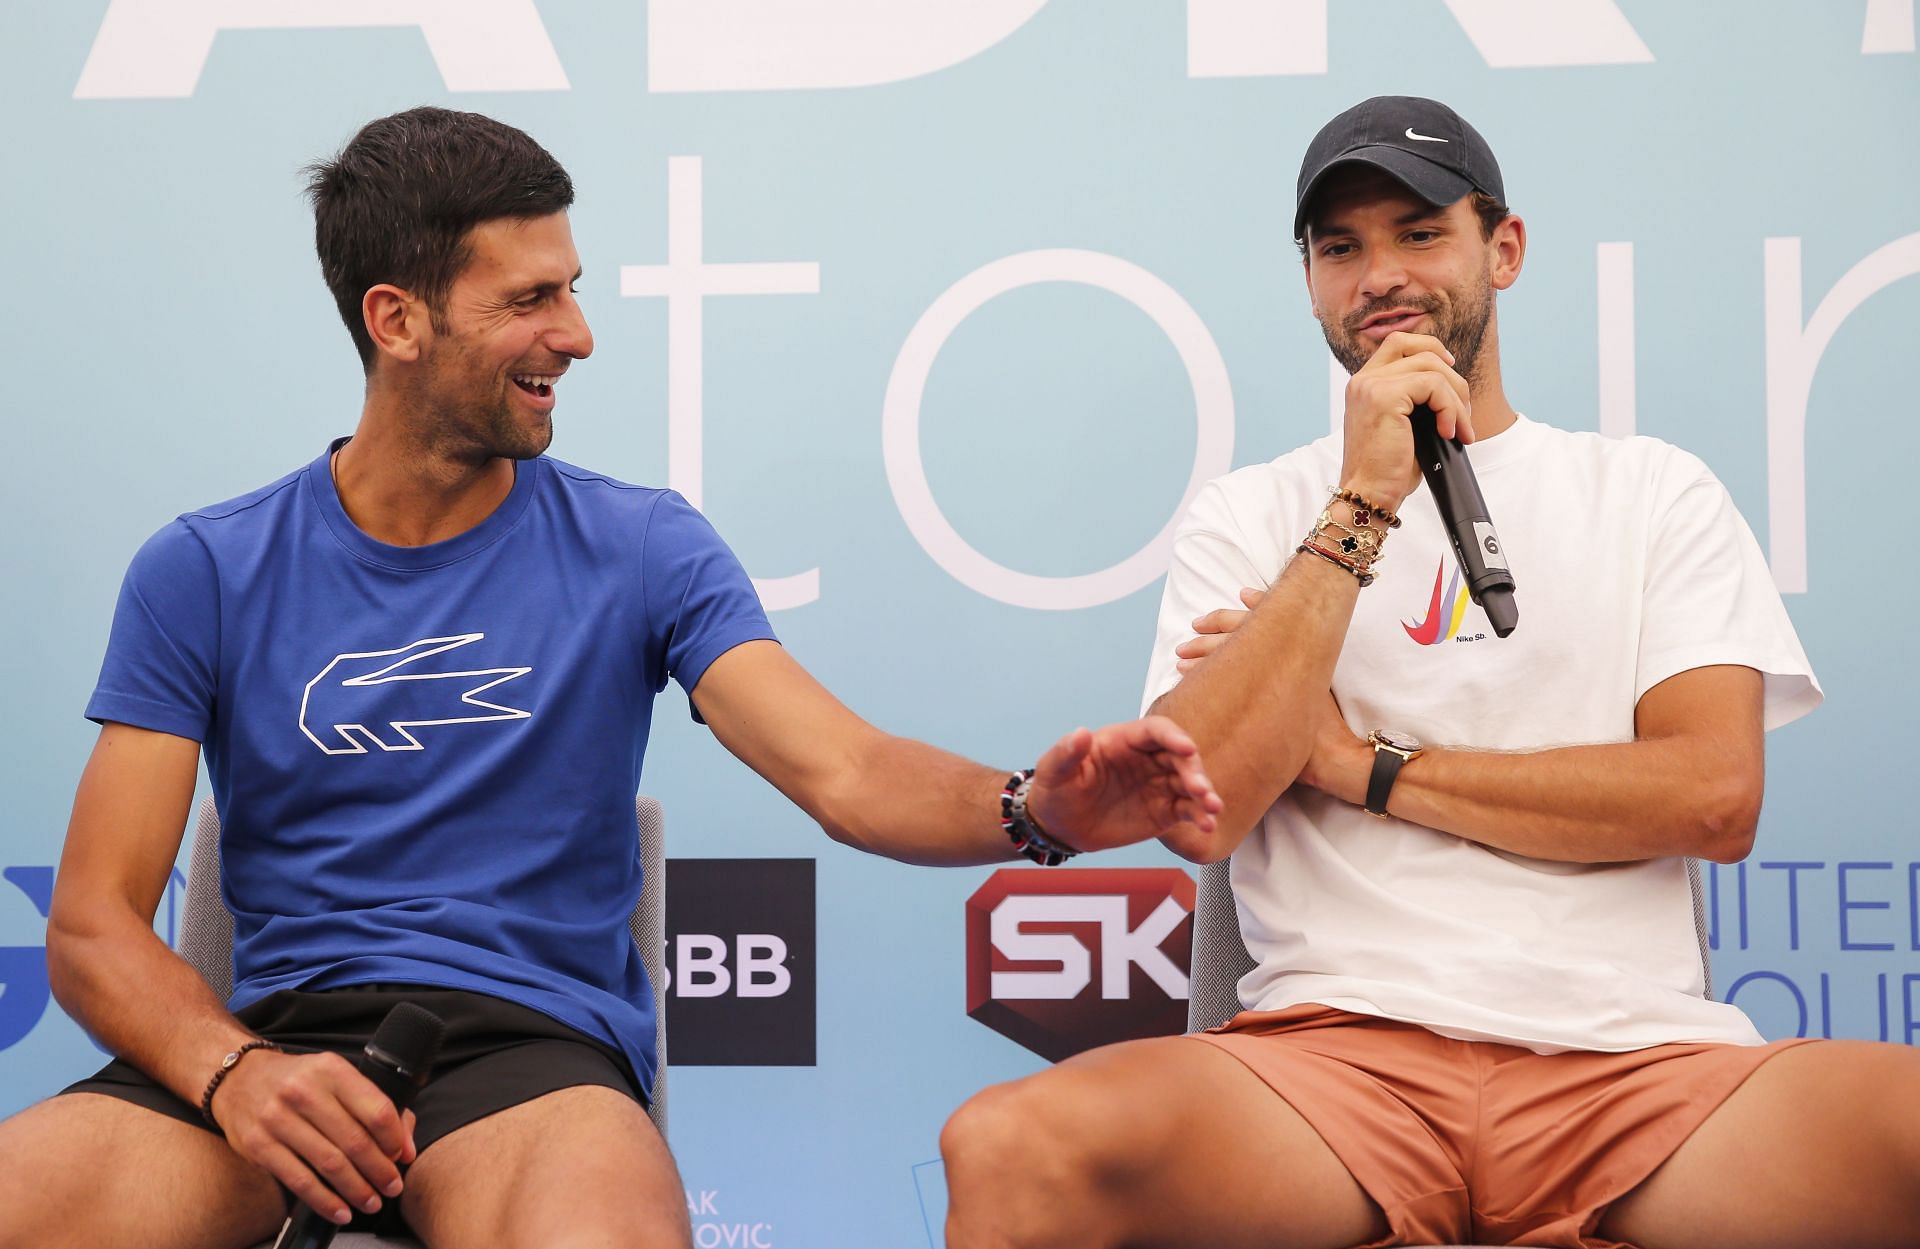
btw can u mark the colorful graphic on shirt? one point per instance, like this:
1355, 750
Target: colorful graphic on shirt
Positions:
382, 703
1444, 611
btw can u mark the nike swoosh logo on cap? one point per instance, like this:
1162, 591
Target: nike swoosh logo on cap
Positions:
1424, 138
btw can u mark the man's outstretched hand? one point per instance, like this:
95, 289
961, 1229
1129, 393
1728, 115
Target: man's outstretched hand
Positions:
1125, 783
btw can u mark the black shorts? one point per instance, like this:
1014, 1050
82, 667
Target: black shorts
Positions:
495, 1055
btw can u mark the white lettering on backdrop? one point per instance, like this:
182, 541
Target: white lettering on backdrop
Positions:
1613, 271
771, 45
900, 423
155, 49
1122, 947
1250, 38
1793, 355
685, 281
147, 49
1889, 27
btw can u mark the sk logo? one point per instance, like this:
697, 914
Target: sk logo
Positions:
377, 696
1445, 609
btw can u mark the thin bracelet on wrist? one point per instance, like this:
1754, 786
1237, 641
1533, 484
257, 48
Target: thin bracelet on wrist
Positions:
227, 1064
1359, 574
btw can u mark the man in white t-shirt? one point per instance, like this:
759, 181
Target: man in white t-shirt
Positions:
1479, 1008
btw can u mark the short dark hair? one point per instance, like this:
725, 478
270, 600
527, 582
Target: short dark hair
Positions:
1490, 211
396, 204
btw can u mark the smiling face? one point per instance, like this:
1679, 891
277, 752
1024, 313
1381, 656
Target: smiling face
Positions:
1380, 259
484, 382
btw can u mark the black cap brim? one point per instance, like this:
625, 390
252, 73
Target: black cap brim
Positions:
1433, 183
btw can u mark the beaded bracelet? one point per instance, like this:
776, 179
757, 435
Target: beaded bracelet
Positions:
1025, 831
227, 1064
1359, 574
1363, 544
1366, 506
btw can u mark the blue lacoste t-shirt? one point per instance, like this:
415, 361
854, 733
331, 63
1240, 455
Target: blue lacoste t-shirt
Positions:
425, 757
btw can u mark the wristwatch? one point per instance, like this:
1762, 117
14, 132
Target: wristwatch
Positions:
1391, 752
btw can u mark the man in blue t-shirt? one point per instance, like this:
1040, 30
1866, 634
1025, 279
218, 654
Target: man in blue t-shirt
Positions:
421, 669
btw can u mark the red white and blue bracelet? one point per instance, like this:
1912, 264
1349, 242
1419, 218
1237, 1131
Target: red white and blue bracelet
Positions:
1023, 830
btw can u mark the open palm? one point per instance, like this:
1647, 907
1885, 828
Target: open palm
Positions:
1096, 789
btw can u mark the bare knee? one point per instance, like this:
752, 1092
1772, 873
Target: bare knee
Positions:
1003, 1135
1026, 1161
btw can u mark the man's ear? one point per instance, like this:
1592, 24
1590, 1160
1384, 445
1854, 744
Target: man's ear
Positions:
1509, 247
396, 321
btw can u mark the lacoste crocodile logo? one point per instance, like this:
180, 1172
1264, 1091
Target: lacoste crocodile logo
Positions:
380, 697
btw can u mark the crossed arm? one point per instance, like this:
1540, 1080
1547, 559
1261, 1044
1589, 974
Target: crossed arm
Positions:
1689, 783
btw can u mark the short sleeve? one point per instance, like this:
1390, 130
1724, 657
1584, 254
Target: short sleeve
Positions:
162, 660
1210, 567
1710, 599
700, 603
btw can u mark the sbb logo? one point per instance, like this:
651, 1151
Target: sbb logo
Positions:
1067, 959
697, 965
740, 962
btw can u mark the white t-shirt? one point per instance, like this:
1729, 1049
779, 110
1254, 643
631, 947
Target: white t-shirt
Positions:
1630, 565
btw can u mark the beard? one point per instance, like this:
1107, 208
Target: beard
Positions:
472, 416
1460, 322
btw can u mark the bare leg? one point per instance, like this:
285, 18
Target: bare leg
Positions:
86, 1170
1821, 1146
1157, 1143
575, 1168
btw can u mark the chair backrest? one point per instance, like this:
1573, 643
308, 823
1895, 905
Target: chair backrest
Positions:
648, 923
1220, 955
206, 928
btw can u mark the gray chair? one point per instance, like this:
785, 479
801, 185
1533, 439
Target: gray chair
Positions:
1220, 955
206, 941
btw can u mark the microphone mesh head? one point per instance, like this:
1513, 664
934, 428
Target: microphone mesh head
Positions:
411, 1034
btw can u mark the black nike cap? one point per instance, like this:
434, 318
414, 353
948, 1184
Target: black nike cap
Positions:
1424, 145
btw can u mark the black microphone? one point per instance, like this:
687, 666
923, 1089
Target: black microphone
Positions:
1463, 513
397, 1060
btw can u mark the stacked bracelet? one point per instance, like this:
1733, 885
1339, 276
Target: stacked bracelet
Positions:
1367, 509
226, 1065
1023, 830
1364, 577
1348, 534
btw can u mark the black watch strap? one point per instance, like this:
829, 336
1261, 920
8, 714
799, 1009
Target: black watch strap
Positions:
1387, 763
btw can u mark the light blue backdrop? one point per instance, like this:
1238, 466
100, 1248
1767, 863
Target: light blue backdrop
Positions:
168, 343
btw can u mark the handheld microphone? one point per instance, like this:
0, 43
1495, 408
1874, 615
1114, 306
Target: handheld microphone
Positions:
397, 1060
1463, 513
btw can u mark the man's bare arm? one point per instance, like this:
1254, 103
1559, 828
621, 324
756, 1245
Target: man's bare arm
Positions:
920, 804
1251, 706
1690, 782
313, 1122
107, 968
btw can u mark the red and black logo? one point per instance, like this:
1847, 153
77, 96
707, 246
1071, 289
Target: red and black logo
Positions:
1066, 959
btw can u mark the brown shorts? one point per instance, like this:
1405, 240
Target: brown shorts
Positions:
1470, 1142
